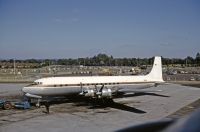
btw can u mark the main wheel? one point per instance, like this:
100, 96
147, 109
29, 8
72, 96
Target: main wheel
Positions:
7, 106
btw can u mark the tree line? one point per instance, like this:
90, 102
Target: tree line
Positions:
106, 60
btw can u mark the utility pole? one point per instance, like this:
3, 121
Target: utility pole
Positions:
186, 62
14, 65
49, 67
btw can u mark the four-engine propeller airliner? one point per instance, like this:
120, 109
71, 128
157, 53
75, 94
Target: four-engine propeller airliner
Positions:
98, 87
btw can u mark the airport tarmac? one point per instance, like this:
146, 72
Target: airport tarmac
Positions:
81, 117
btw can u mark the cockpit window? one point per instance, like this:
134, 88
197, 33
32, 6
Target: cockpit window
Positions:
38, 82
35, 83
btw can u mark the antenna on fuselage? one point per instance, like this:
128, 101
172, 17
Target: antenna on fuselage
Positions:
81, 85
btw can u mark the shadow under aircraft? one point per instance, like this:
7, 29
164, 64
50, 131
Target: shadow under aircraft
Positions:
102, 104
139, 94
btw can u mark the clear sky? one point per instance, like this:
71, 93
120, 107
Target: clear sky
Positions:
84, 28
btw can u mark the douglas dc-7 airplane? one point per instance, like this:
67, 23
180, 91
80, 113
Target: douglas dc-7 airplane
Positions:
97, 87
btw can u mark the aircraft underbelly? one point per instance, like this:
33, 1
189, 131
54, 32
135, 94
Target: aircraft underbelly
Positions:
64, 91
54, 91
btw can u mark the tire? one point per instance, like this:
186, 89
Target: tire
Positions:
7, 106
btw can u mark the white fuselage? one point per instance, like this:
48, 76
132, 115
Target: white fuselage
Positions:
74, 85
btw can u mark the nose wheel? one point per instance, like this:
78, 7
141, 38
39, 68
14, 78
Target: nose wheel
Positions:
38, 103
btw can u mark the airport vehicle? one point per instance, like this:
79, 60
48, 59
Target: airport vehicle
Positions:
6, 105
22, 105
97, 87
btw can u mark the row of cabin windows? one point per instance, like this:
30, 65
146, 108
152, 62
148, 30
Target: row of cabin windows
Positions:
87, 84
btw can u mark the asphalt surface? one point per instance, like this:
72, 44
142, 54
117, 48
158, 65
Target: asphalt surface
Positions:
74, 116
11, 91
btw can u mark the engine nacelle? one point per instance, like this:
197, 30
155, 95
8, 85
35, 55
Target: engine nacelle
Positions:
106, 93
89, 93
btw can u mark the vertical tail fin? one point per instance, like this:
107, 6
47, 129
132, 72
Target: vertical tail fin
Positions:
156, 71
